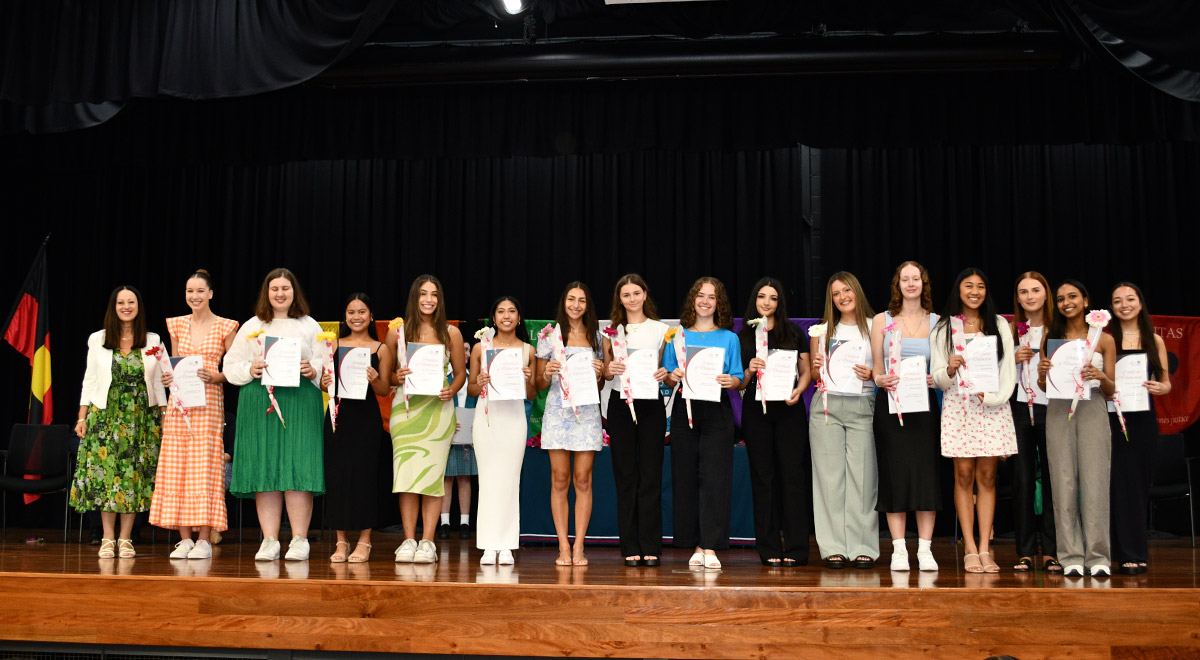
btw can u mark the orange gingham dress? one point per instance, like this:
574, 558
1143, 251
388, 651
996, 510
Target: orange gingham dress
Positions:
189, 489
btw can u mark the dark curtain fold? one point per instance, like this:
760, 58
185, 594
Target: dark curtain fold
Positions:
81, 53
1100, 214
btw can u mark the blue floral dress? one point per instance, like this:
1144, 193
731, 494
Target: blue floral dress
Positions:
560, 429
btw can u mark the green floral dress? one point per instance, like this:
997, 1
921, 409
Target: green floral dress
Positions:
119, 452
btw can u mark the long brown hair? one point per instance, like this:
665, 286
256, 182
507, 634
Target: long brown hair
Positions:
617, 314
1047, 307
862, 308
897, 301
412, 312
263, 309
724, 315
1145, 329
591, 324
112, 323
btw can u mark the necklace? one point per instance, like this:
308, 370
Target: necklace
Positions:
1135, 332
909, 330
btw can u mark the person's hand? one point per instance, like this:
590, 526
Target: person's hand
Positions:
401, 374
326, 380
797, 394
954, 363
660, 374
615, 369
204, 375
980, 395
928, 380
446, 394
306, 370
372, 374
256, 368
757, 363
167, 378
1156, 388
862, 371
1092, 373
551, 369
528, 374
598, 367
81, 428
726, 381
1024, 353
484, 378
818, 361
1043, 368
888, 381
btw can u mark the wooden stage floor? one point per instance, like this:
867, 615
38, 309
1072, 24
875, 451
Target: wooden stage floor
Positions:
55, 592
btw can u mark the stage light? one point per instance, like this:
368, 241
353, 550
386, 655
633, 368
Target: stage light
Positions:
514, 6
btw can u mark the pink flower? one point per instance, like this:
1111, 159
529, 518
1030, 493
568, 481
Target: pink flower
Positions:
610, 331
1022, 329
1098, 318
545, 332
891, 327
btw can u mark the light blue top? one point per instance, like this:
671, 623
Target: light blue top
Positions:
911, 346
719, 338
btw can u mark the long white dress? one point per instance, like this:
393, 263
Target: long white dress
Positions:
500, 438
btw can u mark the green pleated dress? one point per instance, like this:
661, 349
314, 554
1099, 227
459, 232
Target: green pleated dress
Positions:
268, 457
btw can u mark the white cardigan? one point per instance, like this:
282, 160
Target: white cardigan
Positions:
940, 357
98, 375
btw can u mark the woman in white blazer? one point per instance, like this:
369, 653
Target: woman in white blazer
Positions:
119, 421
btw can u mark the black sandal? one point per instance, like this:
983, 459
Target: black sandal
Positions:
775, 562
835, 561
1051, 565
1023, 565
863, 561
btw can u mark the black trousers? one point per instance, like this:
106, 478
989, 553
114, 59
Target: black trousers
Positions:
702, 473
637, 457
1030, 459
780, 478
1129, 490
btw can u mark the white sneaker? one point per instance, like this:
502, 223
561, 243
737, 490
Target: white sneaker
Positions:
182, 549
925, 561
488, 558
268, 551
1100, 570
404, 554
426, 552
297, 549
202, 550
506, 558
900, 561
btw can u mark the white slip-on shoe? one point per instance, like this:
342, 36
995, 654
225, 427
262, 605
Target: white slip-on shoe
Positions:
506, 558
404, 554
488, 558
268, 550
426, 552
297, 549
182, 549
202, 550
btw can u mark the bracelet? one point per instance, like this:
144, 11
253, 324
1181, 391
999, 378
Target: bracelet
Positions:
81, 419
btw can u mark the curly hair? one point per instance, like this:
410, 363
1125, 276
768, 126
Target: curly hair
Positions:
897, 300
724, 314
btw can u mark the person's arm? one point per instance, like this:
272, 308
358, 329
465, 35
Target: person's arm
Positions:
381, 383
241, 356
939, 358
879, 362
476, 379
458, 363
1007, 365
732, 378
1107, 375
1160, 387
218, 377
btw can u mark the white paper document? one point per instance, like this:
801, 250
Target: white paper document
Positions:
191, 388
352, 363
1066, 364
704, 364
640, 366
1131, 370
282, 355
779, 378
983, 366
428, 376
842, 358
507, 380
913, 389
582, 379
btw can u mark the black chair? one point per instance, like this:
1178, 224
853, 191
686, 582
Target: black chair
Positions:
40, 460
1171, 477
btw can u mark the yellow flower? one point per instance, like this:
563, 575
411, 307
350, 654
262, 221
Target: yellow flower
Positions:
116, 481
670, 334
74, 493
255, 334
136, 477
326, 336
395, 323
102, 452
119, 498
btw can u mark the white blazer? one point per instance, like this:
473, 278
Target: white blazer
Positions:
98, 375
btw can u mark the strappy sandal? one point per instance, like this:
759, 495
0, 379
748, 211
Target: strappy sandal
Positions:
864, 562
1023, 565
972, 565
356, 558
989, 564
338, 557
108, 548
125, 549
1051, 565
835, 561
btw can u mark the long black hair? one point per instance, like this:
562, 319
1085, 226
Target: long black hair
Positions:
520, 331
1145, 329
987, 311
785, 333
343, 329
1058, 326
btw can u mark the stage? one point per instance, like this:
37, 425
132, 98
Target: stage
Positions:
65, 594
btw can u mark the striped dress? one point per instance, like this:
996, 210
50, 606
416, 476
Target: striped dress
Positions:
190, 487
421, 442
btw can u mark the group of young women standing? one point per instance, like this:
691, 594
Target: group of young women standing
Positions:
849, 461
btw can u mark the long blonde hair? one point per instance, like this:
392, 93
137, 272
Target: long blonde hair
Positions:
862, 308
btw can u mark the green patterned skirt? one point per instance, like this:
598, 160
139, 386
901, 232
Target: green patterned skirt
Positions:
420, 444
268, 457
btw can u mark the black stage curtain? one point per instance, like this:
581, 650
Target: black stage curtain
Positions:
1100, 214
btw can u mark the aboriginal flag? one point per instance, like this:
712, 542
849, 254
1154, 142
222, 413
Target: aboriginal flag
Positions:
27, 331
